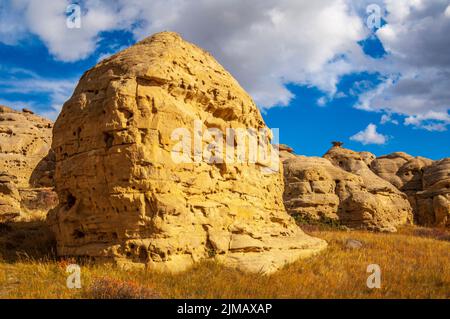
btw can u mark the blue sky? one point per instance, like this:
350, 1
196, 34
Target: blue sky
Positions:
317, 71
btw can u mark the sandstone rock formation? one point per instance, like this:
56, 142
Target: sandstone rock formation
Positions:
315, 189
424, 182
367, 157
25, 141
313, 186
123, 197
401, 170
433, 203
387, 203
9, 198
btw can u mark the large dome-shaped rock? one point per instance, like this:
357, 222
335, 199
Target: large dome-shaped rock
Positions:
26, 164
122, 195
383, 202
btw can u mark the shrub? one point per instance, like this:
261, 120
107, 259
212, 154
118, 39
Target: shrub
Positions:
111, 288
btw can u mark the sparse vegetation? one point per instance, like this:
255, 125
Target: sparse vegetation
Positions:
111, 288
324, 223
415, 263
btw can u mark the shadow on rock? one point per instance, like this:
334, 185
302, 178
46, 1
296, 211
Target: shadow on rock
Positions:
26, 240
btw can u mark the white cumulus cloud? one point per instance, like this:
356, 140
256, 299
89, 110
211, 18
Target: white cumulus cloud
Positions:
370, 136
268, 44
417, 66
265, 44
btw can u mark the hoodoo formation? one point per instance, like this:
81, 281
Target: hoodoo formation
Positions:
122, 196
360, 190
341, 187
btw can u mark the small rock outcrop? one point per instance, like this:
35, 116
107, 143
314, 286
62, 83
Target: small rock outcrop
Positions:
285, 152
314, 187
122, 196
25, 141
346, 192
367, 157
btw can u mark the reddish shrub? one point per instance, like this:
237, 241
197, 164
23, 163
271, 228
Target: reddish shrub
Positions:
111, 288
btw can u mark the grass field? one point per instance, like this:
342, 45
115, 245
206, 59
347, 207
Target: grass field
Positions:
415, 263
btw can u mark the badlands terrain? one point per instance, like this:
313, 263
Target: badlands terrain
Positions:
100, 188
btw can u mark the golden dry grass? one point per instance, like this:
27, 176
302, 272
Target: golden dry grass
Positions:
415, 263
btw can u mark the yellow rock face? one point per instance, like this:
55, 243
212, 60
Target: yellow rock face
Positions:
425, 182
318, 190
26, 164
25, 141
433, 203
124, 197
375, 204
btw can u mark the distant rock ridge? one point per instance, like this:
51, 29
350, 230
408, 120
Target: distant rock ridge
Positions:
341, 187
314, 190
285, 152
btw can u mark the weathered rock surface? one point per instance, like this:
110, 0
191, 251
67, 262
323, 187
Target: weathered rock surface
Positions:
401, 170
367, 157
422, 180
433, 203
311, 188
123, 197
25, 141
318, 190
385, 203
9, 198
